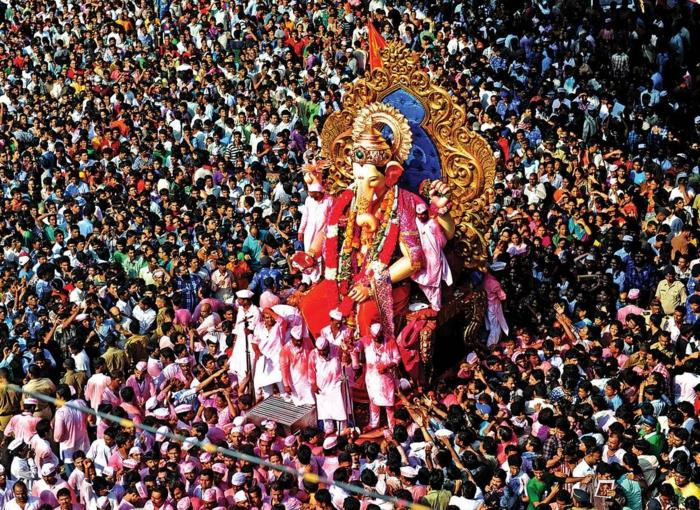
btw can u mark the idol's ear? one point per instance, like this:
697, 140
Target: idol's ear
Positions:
393, 173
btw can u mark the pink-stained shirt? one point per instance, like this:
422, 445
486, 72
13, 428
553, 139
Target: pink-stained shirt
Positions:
143, 390
325, 372
436, 269
95, 388
109, 396
135, 414
43, 454
116, 460
209, 323
47, 493
70, 430
623, 312
22, 426
313, 220
294, 365
76, 479
381, 388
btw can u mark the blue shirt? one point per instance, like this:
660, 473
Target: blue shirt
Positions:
258, 283
187, 287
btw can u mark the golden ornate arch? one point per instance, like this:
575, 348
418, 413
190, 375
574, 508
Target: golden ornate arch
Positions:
466, 158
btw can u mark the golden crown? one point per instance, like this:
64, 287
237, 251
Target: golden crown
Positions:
370, 146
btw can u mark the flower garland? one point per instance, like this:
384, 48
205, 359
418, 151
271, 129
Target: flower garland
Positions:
331, 244
351, 262
383, 243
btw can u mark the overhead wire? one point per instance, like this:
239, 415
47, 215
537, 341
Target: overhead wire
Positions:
214, 449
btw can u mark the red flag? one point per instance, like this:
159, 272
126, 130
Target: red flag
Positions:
376, 43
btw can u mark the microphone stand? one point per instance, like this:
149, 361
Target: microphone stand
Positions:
348, 391
249, 387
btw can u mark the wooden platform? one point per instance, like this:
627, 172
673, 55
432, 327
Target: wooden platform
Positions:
291, 417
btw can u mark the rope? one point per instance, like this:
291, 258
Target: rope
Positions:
213, 449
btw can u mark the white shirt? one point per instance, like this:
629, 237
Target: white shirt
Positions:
145, 317
581, 470
6, 493
32, 504
99, 453
77, 296
82, 362
684, 387
535, 194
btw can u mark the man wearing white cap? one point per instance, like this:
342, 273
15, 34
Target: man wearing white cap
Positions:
247, 319
47, 487
326, 377
436, 270
23, 426
294, 365
631, 307
267, 342
312, 227
141, 383
337, 333
381, 357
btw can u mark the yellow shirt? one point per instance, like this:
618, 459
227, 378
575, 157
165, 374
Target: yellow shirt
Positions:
690, 489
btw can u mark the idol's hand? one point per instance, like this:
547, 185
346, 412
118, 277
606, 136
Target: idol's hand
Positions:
359, 293
439, 194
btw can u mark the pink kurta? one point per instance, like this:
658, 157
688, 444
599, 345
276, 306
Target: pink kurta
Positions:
70, 430
43, 454
328, 373
22, 426
47, 493
294, 365
143, 390
380, 387
95, 388
313, 221
436, 269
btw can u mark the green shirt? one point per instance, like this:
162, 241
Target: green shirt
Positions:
119, 257
307, 111
133, 267
656, 441
437, 500
536, 489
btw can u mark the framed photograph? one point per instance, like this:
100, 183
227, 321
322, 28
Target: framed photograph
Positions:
604, 488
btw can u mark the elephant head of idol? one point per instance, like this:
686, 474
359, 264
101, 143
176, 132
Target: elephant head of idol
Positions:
381, 142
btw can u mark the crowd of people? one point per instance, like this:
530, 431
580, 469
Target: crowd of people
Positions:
151, 163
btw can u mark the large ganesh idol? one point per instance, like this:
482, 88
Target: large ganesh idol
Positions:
407, 176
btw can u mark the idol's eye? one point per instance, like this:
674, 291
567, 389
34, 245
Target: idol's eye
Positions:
360, 155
